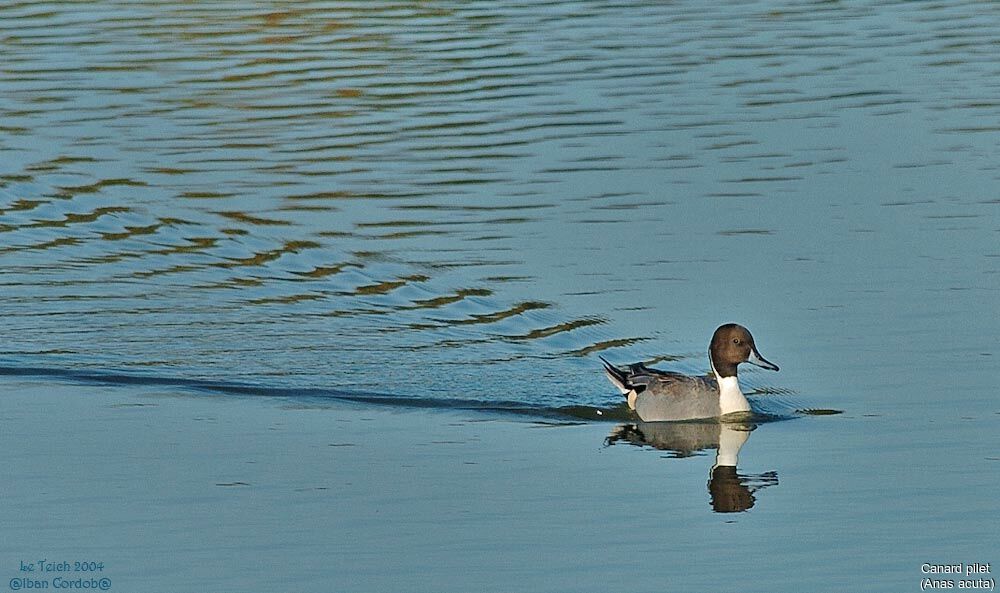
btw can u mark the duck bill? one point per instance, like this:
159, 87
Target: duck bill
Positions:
757, 359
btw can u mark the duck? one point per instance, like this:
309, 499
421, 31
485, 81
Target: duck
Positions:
664, 396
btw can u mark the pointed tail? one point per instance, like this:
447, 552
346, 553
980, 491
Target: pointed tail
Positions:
618, 377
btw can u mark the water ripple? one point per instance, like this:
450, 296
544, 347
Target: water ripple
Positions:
444, 196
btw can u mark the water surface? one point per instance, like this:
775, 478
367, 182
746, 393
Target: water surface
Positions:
431, 203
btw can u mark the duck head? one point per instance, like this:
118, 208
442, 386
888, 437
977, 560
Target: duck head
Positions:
731, 345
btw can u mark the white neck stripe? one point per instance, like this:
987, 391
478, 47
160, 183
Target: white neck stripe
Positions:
731, 399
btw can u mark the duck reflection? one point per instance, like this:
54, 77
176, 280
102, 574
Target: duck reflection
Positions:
730, 490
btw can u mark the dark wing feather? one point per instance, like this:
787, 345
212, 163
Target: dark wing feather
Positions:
638, 377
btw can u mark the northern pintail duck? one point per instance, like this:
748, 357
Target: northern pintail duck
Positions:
663, 395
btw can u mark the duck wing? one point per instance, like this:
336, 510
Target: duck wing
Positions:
636, 378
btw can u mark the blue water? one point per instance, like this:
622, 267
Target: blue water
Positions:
431, 203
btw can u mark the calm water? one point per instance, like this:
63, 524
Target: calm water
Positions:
464, 203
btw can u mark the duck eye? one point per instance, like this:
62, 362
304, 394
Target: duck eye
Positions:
736, 341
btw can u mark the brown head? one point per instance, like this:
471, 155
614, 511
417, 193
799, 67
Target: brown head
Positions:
731, 345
